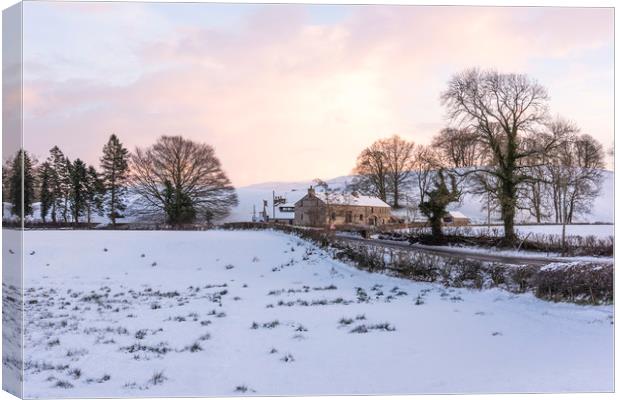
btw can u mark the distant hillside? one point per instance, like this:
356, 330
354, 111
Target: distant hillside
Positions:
253, 195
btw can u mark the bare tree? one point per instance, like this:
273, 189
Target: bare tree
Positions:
425, 162
182, 180
534, 194
502, 109
575, 174
459, 147
399, 156
372, 171
385, 169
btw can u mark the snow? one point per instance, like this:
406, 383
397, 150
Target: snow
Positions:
457, 214
351, 200
92, 295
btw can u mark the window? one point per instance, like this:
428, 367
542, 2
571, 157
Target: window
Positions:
361, 217
348, 217
333, 216
372, 209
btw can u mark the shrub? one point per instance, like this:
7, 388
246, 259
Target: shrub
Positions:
158, 378
468, 271
582, 282
497, 274
63, 385
523, 277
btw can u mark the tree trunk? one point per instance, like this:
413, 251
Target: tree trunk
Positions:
436, 229
510, 238
507, 201
64, 211
396, 194
564, 238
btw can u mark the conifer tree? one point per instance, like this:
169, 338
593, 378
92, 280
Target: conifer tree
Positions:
115, 174
45, 190
78, 189
94, 193
22, 185
65, 189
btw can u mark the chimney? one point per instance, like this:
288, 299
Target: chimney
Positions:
311, 191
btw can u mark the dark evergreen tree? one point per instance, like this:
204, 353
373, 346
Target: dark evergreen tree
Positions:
437, 199
78, 197
45, 190
179, 208
7, 173
22, 185
94, 193
115, 174
66, 184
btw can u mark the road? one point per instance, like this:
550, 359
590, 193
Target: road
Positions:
455, 252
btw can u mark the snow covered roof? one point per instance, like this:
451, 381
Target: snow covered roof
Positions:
457, 214
349, 199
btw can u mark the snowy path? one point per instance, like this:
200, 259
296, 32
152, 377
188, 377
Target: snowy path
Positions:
106, 312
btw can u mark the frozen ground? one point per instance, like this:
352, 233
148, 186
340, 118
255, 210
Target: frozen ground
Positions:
224, 313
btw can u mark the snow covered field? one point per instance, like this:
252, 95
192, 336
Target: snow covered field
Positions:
221, 313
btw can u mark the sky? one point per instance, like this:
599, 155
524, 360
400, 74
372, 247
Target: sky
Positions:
291, 92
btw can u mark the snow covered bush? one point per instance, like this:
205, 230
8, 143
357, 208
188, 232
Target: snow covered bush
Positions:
580, 282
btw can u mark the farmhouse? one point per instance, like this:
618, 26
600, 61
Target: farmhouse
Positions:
320, 209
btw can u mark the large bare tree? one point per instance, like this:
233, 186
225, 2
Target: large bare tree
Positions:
502, 109
575, 176
384, 168
425, 162
399, 156
459, 147
372, 171
181, 180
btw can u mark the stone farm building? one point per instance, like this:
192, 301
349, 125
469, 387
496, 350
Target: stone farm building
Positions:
321, 209
456, 218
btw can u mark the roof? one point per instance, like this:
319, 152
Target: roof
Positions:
349, 199
457, 214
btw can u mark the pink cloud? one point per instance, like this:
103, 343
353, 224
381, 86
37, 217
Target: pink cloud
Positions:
284, 99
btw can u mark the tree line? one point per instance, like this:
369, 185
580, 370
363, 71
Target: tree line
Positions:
175, 180
500, 143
